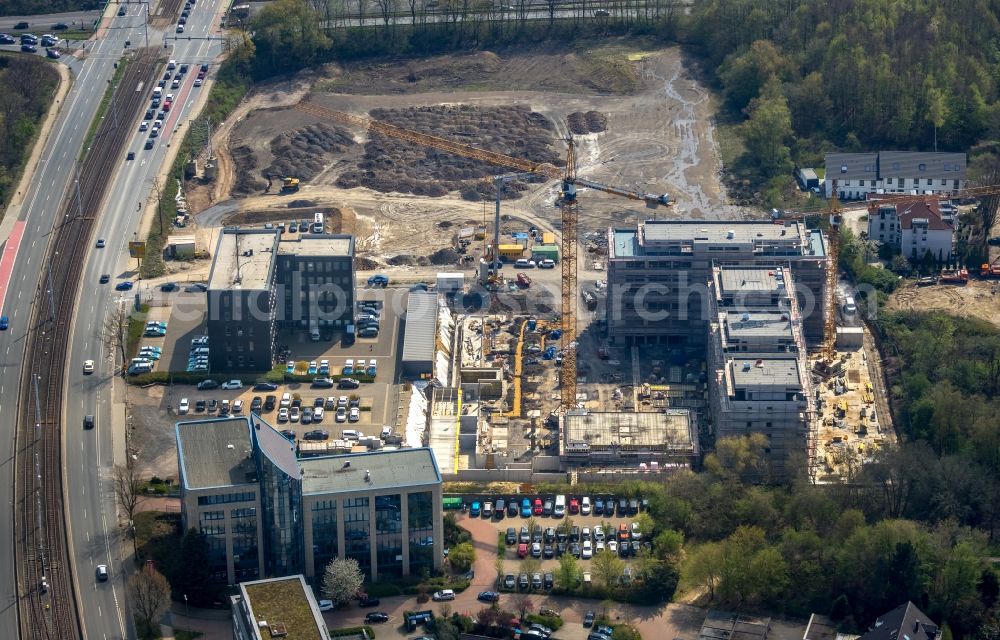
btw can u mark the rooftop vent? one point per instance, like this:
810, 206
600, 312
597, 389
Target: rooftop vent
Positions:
759, 364
368, 475
746, 366
279, 630
730, 234
745, 317
230, 446
347, 464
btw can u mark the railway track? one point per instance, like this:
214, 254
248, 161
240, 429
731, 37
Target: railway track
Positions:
47, 606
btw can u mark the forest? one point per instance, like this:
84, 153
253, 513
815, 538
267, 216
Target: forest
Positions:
26, 87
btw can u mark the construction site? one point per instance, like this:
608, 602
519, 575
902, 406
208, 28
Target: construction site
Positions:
595, 305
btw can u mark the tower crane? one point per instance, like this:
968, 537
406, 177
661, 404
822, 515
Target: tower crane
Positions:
569, 211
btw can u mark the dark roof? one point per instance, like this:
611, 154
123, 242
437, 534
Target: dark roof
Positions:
929, 211
905, 622
852, 166
921, 164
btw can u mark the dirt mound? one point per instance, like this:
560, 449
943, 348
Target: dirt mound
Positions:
391, 165
444, 256
332, 216
402, 261
365, 264
296, 204
583, 123
304, 152
247, 180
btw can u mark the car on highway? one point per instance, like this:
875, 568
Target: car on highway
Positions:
105, 278
232, 384
175, 85
149, 143
20, 26
125, 285
88, 366
180, 28
197, 82
4, 323
377, 617
130, 155
182, 21
60, 26
102, 573
121, 11
88, 422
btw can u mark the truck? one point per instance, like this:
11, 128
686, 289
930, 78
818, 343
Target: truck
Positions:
990, 270
954, 276
523, 280
289, 185
349, 335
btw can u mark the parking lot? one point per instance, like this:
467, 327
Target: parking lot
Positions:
541, 536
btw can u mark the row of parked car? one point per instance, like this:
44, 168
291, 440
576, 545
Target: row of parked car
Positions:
582, 542
558, 507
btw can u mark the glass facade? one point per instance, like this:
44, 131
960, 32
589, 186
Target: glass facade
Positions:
324, 532
420, 522
212, 525
281, 500
357, 534
389, 535
246, 555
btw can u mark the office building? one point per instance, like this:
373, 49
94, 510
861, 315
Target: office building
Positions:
266, 513
263, 281
861, 174
757, 367
277, 608
659, 275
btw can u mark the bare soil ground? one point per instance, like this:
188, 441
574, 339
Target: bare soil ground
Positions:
977, 299
659, 138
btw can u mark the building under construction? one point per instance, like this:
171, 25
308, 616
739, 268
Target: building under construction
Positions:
653, 440
757, 366
659, 275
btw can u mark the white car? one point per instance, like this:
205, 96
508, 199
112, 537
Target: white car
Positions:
184, 406
588, 550
326, 605
197, 82
636, 531
613, 546
172, 65
599, 547
585, 506
88, 366
342, 402
341, 414
354, 415
232, 384
286, 400
318, 414
238, 406
547, 264
282, 415
144, 126
294, 414
444, 594
599, 533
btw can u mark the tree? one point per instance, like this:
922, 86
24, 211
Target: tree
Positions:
625, 632
669, 545
342, 580
128, 486
149, 595
937, 108
607, 568
767, 129
287, 36
703, 567
522, 604
568, 573
646, 525
193, 577
531, 565
462, 556
115, 336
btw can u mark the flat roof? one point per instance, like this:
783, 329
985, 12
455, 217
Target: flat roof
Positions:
215, 453
765, 324
420, 335
736, 280
318, 244
659, 430
397, 469
765, 372
243, 259
287, 602
717, 231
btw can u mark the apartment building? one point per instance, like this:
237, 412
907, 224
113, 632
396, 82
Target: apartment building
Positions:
913, 230
263, 281
859, 174
659, 275
266, 513
757, 368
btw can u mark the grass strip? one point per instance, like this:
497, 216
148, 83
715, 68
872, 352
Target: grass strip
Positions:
102, 108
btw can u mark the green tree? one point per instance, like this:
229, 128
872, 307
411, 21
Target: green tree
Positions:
607, 568
568, 573
287, 36
625, 632
767, 130
462, 556
744, 75
703, 567
669, 545
646, 525
193, 575
937, 107
342, 580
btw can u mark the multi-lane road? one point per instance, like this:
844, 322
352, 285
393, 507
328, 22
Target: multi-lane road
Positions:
95, 535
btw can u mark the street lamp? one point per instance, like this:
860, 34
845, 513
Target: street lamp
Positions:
187, 614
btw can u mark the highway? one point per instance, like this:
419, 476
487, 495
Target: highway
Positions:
88, 455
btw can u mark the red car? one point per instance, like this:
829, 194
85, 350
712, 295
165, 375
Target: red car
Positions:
537, 509
522, 550
574, 506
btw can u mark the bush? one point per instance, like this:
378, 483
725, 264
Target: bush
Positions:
462, 557
383, 590
352, 631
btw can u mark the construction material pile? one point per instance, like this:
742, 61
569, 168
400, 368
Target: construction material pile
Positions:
581, 123
391, 165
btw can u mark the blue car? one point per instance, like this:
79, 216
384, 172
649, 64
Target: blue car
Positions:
378, 281
4, 323
474, 510
525, 508
124, 286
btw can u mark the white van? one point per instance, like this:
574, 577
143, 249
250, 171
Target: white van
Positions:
560, 509
317, 225
350, 434
157, 92
849, 306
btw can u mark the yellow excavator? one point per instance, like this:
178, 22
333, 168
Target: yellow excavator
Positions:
289, 185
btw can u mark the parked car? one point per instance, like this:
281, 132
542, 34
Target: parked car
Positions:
444, 594
488, 596
232, 384
511, 536
377, 617
509, 582
316, 434
368, 601
208, 384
